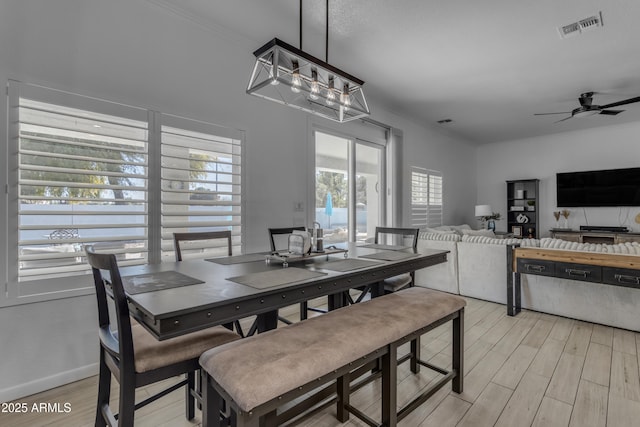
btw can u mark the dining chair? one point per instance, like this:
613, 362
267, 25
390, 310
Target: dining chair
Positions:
133, 356
400, 237
178, 238
279, 234
183, 239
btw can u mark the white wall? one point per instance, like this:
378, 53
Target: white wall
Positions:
137, 53
608, 147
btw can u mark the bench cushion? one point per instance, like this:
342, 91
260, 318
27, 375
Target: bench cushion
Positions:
255, 370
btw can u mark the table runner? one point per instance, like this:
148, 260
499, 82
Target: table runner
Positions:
239, 259
387, 247
390, 255
271, 278
346, 264
157, 281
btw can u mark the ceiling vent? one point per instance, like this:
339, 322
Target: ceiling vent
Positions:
581, 26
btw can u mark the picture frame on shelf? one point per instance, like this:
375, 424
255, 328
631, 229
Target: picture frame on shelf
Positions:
516, 230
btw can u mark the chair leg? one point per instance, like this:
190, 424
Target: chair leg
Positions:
127, 408
104, 391
190, 388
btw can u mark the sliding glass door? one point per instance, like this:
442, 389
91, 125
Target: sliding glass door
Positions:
349, 183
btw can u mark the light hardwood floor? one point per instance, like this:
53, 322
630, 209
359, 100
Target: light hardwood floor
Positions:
534, 369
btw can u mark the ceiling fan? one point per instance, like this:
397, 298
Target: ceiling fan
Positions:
587, 108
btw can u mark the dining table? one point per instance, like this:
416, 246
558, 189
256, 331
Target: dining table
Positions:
174, 298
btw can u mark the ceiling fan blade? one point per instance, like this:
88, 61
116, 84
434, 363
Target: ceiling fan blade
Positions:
625, 102
546, 114
611, 112
566, 118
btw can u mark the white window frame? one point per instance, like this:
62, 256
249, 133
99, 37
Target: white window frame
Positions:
425, 211
21, 292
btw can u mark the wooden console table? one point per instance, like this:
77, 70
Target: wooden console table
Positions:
609, 269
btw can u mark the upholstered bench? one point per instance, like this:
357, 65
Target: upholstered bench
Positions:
257, 375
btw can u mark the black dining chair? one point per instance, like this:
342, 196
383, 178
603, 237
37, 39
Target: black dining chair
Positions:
401, 237
196, 237
134, 357
182, 241
281, 234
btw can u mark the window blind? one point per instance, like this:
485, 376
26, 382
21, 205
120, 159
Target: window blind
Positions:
201, 186
81, 180
426, 197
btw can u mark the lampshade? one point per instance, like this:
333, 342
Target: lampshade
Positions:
289, 76
483, 210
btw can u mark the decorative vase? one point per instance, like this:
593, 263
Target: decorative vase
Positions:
491, 225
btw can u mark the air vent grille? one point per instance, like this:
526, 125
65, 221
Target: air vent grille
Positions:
581, 26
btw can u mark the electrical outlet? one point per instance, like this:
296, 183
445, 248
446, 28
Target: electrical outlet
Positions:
298, 207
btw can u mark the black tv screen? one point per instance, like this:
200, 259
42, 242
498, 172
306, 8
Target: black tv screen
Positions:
613, 187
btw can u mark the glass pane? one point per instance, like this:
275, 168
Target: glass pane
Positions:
332, 187
367, 191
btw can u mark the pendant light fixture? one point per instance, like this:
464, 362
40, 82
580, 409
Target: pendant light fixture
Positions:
290, 76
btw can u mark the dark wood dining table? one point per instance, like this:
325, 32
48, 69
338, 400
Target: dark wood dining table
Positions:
168, 313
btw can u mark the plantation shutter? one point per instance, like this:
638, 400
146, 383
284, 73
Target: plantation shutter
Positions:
201, 184
81, 180
426, 198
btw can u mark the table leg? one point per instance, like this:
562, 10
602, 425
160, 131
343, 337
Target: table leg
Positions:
336, 301
267, 321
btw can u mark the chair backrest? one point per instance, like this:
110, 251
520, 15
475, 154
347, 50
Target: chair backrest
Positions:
200, 236
285, 231
117, 342
401, 234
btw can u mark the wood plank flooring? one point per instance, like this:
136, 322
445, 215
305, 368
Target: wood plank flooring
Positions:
534, 369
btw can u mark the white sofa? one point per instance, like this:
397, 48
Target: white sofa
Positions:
443, 277
477, 267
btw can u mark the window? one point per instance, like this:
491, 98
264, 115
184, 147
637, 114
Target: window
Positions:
426, 197
201, 183
348, 178
92, 172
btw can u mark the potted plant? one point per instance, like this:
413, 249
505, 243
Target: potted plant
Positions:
531, 205
491, 220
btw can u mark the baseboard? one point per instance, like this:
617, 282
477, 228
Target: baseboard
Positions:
42, 384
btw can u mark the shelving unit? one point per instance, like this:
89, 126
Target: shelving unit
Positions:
523, 207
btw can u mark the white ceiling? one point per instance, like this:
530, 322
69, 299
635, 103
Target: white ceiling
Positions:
487, 65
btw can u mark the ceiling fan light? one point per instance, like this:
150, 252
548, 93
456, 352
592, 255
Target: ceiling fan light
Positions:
585, 113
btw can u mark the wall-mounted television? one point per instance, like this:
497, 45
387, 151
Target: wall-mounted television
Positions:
613, 187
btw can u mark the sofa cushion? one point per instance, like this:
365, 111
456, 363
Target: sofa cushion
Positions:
488, 233
629, 248
450, 237
496, 241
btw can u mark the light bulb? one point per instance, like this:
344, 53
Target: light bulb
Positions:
344, 97
295, 77
315, 87
273, 77
331, 96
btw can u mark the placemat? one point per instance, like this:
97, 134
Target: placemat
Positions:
390, 255
346, 264
271, 278
157, 281
387, 247
238, 259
